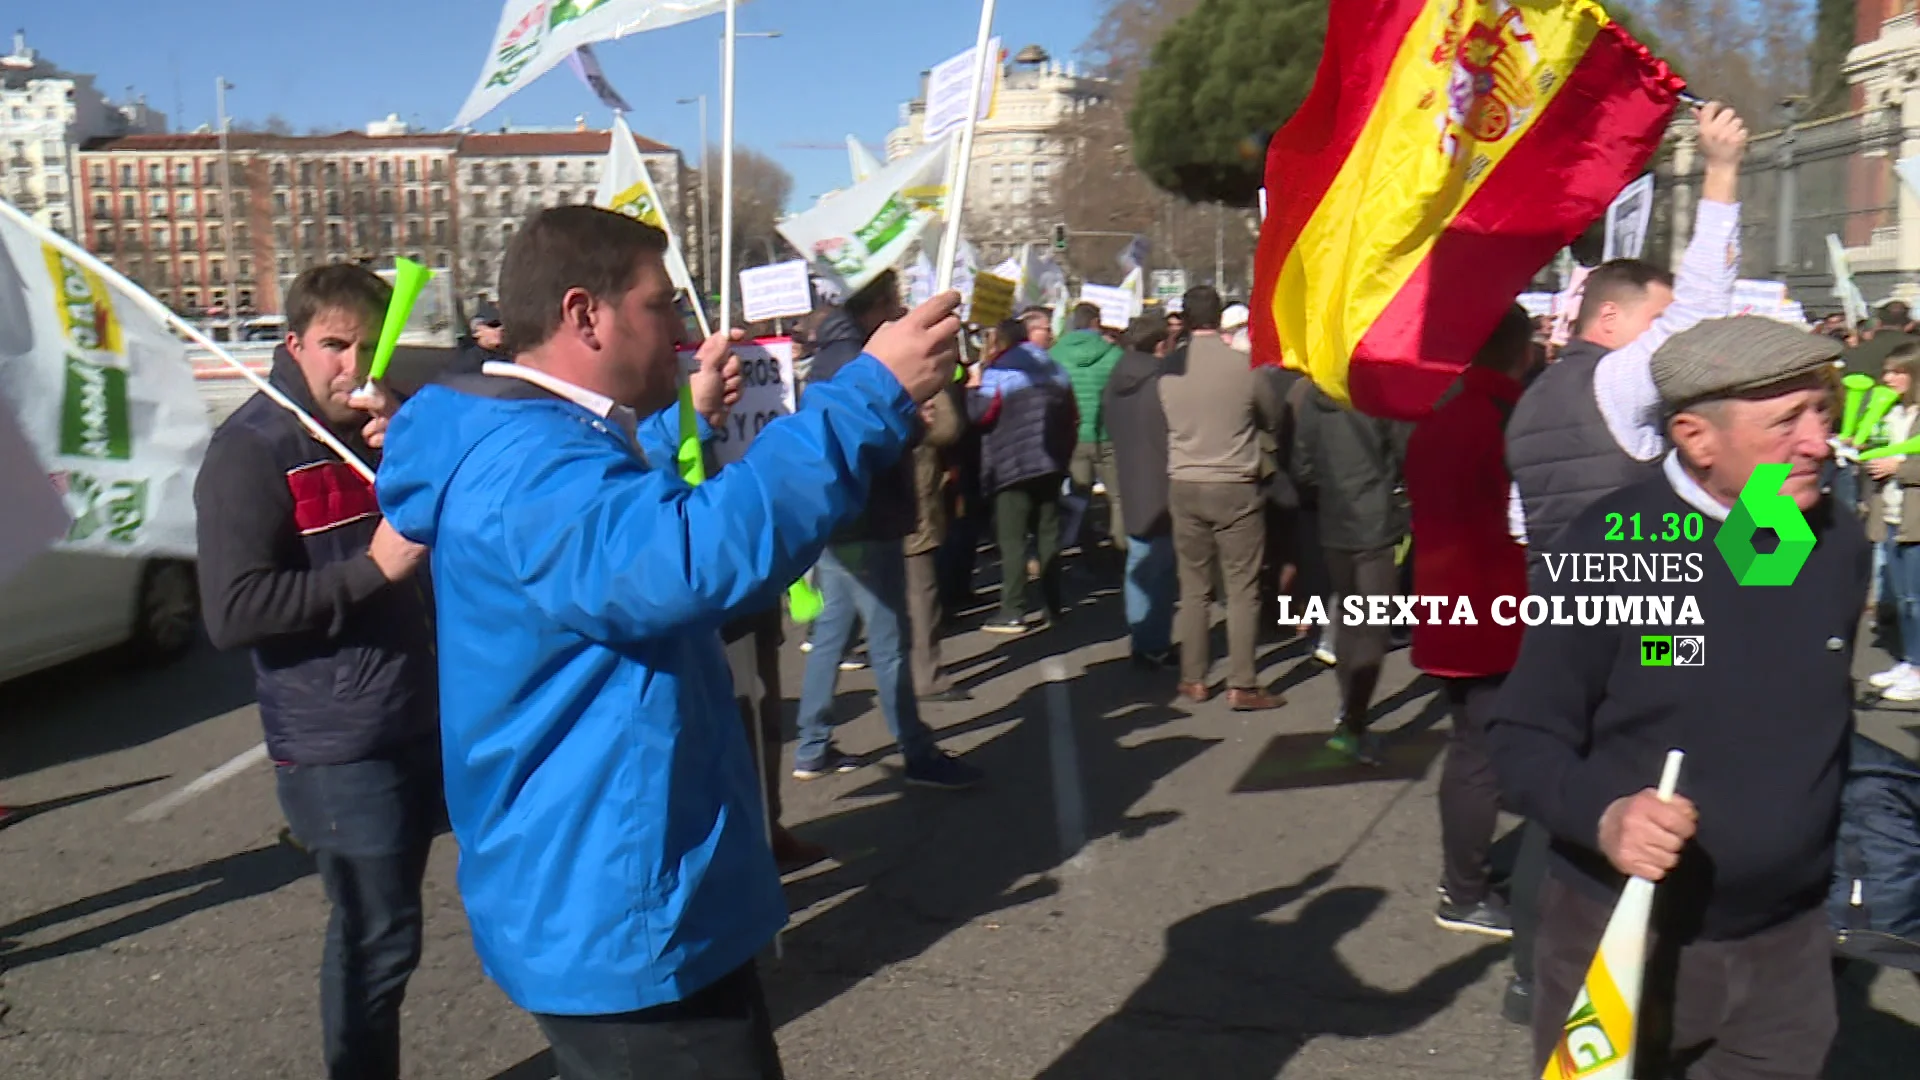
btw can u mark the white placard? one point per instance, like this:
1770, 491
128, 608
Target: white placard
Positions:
947, 86
1628, 219
766, 394
1114, 302
1169, 285
780, 291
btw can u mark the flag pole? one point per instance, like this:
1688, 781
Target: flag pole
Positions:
146, 302
957, 197
726, 169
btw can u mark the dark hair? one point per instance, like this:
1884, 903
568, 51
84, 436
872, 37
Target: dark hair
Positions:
884, 289
336, 286
1085, 316
1895, 315
1011, 332
1202, 308
565, 248
1621, 281
1144, 334
1906, 358
1509, 347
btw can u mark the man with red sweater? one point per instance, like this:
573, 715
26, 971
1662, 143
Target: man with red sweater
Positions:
1457, 480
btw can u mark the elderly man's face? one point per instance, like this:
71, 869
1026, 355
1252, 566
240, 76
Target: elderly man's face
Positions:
1724, 440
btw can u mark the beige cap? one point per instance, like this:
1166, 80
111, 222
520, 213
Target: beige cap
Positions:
1723, 358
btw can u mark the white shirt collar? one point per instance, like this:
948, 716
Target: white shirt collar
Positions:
596, 403
1689, 489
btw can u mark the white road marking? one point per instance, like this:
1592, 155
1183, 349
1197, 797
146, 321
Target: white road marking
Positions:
207, 782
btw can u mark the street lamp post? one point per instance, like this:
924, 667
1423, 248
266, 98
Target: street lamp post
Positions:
706, 199
220, 88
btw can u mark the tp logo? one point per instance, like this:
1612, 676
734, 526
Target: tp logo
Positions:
1762, 506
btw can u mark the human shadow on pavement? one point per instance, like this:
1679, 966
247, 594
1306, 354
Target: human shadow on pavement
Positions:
103, 703
1872, 1044
47, 806
917, 868
1238, 995
241, 876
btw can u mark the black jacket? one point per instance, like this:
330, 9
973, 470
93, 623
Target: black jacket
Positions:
1137, 430
469, 357
1353, 461
1764, 718
343, 661
893, 510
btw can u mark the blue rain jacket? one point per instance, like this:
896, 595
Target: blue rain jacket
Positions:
612, 853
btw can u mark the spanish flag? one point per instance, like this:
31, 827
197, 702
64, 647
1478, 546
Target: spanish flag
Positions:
1447, 150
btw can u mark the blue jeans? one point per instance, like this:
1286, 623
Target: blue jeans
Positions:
1903, 572
1151, 588
369, 825
867, 582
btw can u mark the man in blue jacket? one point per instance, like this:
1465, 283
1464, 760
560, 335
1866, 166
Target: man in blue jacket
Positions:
613, 860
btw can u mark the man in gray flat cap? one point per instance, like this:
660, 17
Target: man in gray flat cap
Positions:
1742, 662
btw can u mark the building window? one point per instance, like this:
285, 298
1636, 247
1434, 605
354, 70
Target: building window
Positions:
440, 260
386, 234
413, 202
413, 232
126, 176
437, 170
440, 232
590, 168
213, 236
1019, 170
183, 173
103, 241
279, 202
563, 198
479, 205
159, 238
359, 202
246, 269
99, 173
506, 232
479, 174
156, 174
331, 173
306, 203
479, 236
307, 235
100, 206
131, 240
157, 204
280, 173
1019, 193
333, 204
306, 172
506, 202
186, 238
336, 238
533, 172
189, 275
359, 170
997, 171
285, 264
240, 235
439, 198
503, 174
185, 202
413, 171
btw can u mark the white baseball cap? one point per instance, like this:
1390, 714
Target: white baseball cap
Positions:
1234, 317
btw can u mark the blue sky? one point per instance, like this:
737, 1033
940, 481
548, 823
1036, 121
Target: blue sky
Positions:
841, 66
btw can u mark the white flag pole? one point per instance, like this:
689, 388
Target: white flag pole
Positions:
726, 170
193, 333
957, 197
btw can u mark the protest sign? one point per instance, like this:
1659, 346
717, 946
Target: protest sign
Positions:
104, 395
766, 393
780, 291
992, 300
1566, 305
856, 235
1627, 220
947, 87
1169, 285
1114, 302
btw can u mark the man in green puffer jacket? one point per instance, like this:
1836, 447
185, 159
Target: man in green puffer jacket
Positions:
1089, 358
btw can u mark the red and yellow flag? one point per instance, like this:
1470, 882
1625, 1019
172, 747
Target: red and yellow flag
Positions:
1447, 150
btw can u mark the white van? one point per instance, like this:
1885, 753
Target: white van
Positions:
62, 606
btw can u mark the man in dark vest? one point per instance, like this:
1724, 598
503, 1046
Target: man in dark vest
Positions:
1589, 425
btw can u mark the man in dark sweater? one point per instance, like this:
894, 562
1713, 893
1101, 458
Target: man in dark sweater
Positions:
1138, 425
1738, 980
297, 565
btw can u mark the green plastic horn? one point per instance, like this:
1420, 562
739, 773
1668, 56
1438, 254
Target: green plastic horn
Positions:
1879, 402
1899, 449
1857, 386
804, 602
409, 278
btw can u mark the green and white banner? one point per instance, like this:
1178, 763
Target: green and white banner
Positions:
536, 35
104, 394
855, 236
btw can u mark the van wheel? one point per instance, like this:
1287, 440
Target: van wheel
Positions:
168, 611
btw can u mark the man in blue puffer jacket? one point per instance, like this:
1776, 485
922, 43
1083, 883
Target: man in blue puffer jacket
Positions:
613, 860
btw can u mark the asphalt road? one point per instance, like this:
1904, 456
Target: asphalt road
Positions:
1219, 903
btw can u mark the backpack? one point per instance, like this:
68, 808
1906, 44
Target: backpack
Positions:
1874, 903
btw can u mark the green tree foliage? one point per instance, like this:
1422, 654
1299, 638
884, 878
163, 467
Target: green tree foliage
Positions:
1221, 81
1833, 30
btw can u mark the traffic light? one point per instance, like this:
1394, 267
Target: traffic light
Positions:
1060, 237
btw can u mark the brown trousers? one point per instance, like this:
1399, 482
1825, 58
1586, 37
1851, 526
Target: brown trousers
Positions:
1761, 1008
1221, 526
924, 616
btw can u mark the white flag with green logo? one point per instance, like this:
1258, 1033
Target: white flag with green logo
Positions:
104, 394
627, 186
855, 236
535, 35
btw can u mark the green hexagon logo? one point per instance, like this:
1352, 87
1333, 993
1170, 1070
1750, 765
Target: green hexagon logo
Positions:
1762, 506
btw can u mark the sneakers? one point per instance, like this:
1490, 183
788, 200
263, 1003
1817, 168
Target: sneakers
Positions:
943, 772
1005, 624
1363, 748
1897, 673
1486, 918
855, 660
1517, 1006
827, 764
1325, 656
1905, 689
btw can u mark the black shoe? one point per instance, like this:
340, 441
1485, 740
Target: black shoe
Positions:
1517, 1005
943, 772
1155, 661
1485, 918
1005, 624
950, 696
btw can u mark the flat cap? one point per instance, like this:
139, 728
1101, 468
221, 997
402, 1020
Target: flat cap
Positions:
1723, 358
